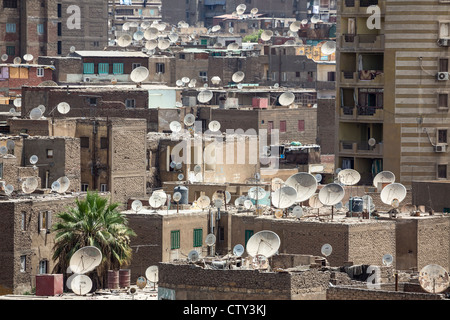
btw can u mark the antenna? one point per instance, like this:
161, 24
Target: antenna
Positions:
238, 76
284, 197
286, 98
304, 183
264, 243
433, 278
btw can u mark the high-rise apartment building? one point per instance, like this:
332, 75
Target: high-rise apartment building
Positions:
393, 88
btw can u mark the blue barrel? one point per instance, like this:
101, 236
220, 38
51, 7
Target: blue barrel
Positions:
356, 204
184, 194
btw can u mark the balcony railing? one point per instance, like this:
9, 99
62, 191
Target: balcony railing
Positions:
362, 113
360, 6
373, 77
360, 148
362, 41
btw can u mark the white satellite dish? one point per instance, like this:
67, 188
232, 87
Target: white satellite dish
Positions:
139, 74
240, 9
238, 250
161, 26
214, 126
210, 239
254, 11
433, 278
193, 256
29, 185
69, 280
238, 76
314, 201
328, 48
264, 243
56, 186
203, 202
175, 126
173, 37
326, 249
152, 274
215, 80
179, 83
17, 60
85, 259
28, 57
286, 98
284, 197
156, 200
276, 85
384, 177
35, 114
34, 159
393, 191
163, 44
180, 176
3, 150
189, 119
64, 183
240, 86
248, 204
216, 28
387, 259
124, 40
304, 21
138, 35
372, 142
295, 26
304, 183
205, 96
151, 44
256, 193
233, 46
81, 284
266, 35
63, 107
297, 212
177, 196
349, 177
9, 189
331, 194
151, 33
42, 108
4, 57
12, 110
136, 205
315, 19
231, 30
185, 80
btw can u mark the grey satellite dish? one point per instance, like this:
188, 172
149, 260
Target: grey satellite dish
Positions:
238, 76
238, 250
139, 74
368, 203
163, 44
210, 239
189, 119
72, 49
276, 85
286, 98
266, 35
203, 202
240, 9
239, 201
328, 48
151, 44
433, 278
151, 33
383, 177
318, 177
64, 183
179, 83
175, 126
233, 46
81, 284
161, 26
173, 37
69, 281
314, 201
136, 205
34, 159
12, 110
85, 259
387, 259
231, 30
17, 60
393, 191
284, 197
124, 41
297, 212
349, 177
9, 189
198, 168
35, 114
372, 142
295, 26
248, 204
138, 35
193, 256
42, 108
326, 249
204, 96
264, 243
331, 194
256, 193
3, 150
29, 185
63, 107
152, 274
180, 177
4, 57
56, 186
304, 183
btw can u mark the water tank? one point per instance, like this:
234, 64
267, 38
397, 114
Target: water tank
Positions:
356, 204
184, 194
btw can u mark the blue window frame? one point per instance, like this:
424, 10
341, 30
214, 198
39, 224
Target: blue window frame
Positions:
88, 68
118, 68
40, 28
103, 68
11, 28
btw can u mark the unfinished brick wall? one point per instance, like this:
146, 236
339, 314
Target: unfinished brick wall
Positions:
433, 242
346, 293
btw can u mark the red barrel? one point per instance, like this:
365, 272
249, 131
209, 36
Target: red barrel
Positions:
113, 279
124, 278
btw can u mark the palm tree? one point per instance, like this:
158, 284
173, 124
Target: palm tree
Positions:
92, 222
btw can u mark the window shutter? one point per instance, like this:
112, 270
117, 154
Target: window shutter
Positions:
49, 220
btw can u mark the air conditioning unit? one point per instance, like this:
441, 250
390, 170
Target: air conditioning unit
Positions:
440, 148
442, 76
87, 79
444, 42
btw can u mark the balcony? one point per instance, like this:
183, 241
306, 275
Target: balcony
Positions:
362, 42
363, 77
360, 149
325, 85
360, 6
362, 114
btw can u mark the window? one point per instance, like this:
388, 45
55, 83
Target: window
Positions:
103, 143
221, 233
84, 187
59, 10
88, 68
117, 68
10, 28
24, 221
59, 29
331, 76
23, 263
297, 74
43, 264
301, 125
103, 187
96, 44
160, 68
203, 75
49, 153
45, 221
59, 47
92, 101
198, 237
10, 50
443, 65
40, 28
283, 126
443, 100
135, 65
9, 3
103, 68
175, 239
444, 30
442, 135
84, 142
442, 171
248, 235
182, 56
130, 103
40, 72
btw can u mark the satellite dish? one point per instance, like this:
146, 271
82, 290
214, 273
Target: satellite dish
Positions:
231, 30
124, 41
56, 186
193, 255
35, 114
276, 85
203, 202
372, 142
295, 26
214, 126
81, 284
42, 108
177, 196
326, 249
156, 200
277, 183
210, 239
17, 60
138, 35
141, 283
28, 57
136, 205
17, 102
152, 274
349, 177
266, 35
248, 204
304, 21
185, 80
85, 260
314, 201
139, 74
240, 9
198, 168
173, 37
304, 183
151, 44
216, 28
233, 46
331, 194
433, 278
72, 49
189, 119
240, 86
286, 98
315, 19
163, 44
256, 193
34, 159
204, 96
393, 191
387, 259
383, 177
9, 189
278, 213
264, 243
238, 76
161, 26
284, 197
328, 48
227, 196
254, 11
4, 57
238, 250
175, 126
3, 150
215, 80
48, 83
368, 203
297, 212
151, 33
64, 183
180, 177
318, 177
